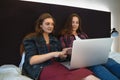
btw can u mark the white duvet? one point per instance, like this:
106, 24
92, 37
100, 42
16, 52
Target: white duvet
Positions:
11, 72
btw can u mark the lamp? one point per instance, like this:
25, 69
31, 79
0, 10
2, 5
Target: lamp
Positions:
114, 33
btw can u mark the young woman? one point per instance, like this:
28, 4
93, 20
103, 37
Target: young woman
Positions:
43, 51
73, 31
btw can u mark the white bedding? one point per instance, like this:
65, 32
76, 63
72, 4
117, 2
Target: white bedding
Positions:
115, 56
12, 72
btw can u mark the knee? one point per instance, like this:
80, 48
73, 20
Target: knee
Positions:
110, 63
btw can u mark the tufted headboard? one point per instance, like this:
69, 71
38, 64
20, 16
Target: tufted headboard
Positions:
18, 19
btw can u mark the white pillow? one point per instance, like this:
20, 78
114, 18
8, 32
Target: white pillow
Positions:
11, 72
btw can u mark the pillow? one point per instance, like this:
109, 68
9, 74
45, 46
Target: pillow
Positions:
22, 60
11, 72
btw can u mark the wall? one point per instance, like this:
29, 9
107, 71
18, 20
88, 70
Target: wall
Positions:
18, 18
105, 5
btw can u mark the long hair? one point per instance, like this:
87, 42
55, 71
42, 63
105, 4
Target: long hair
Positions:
68, 25
40, 20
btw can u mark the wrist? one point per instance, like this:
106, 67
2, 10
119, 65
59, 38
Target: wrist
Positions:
57, 54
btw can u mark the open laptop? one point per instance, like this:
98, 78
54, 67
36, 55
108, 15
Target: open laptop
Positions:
89, 52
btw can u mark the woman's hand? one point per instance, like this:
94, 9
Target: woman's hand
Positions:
63, 54
68, 50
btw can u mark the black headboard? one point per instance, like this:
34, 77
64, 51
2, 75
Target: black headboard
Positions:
18, 19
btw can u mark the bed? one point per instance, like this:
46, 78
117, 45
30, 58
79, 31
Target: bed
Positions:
95, 23
115, 56
12, 72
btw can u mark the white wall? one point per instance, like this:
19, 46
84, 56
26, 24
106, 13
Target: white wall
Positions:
104, 5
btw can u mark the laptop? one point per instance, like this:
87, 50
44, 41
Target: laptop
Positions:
89, 52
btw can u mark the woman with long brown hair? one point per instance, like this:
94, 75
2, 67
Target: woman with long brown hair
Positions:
73, 31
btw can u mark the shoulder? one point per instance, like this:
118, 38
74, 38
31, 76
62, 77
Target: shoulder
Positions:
64, 36
30, 35
83, 35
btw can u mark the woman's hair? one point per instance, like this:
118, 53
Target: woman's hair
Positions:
68, 25
40, 21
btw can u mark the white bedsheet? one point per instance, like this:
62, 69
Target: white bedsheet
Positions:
115, 56
11, 72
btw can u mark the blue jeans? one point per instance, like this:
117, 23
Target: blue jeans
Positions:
108, 71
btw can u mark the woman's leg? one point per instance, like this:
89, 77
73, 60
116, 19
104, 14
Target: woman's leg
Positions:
113, 66
91, 77
101, 72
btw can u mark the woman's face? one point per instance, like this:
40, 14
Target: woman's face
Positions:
75, 23
47, 25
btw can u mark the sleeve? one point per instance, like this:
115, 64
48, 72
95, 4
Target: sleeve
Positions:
83, 35
86, 35
63, 45
30, 48
62, 42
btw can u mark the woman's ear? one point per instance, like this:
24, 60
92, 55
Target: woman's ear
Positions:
40, 26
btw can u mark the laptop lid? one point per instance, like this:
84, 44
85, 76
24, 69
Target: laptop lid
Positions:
90, 52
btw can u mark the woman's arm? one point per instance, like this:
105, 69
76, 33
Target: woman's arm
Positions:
32, 55
44, 57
